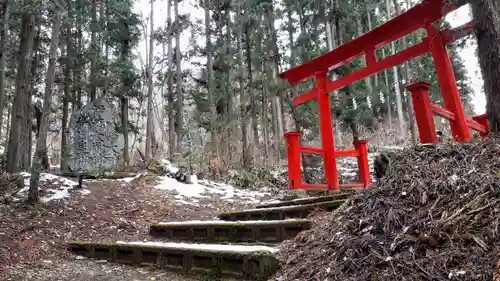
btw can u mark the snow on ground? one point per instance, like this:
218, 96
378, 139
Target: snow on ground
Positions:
277, 173
52, 187
391, 147
208, 247
168, 166
191, 193
348, 166
129, 179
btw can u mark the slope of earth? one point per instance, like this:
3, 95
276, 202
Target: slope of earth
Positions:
33, 239
434, 216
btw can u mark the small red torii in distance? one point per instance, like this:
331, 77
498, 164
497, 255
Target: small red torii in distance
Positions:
423, 15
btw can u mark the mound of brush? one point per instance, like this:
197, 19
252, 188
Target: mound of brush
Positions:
435, 215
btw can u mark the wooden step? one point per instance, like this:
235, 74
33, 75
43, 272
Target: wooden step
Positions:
304, 201
249, 262
266, 231
280, 213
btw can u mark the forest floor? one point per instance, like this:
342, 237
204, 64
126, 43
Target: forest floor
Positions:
33, 239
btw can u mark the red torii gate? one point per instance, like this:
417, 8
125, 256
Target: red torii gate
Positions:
423, 15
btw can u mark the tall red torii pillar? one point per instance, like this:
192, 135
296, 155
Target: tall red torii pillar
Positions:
423, 15
326, 130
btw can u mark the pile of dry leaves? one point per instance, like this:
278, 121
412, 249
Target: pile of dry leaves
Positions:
434, 216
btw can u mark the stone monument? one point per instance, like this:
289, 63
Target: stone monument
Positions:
95, 143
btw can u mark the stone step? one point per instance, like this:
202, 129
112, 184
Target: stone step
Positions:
279, 213
264, 231
249, 262
303, 201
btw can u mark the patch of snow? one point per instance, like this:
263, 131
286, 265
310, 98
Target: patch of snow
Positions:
391, 147
278, 172
184, 202
219, 222
349, 173
85, 191
454, 273
207, 247
192, 201
53, 187
185, 190
453, 179
129, 179
204, 188
168, 166
273, 201
193, 179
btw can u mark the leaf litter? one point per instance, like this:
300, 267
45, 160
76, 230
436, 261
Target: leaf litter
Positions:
33, 239
435, 215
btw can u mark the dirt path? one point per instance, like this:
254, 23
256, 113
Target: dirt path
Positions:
33, 239
88, 270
